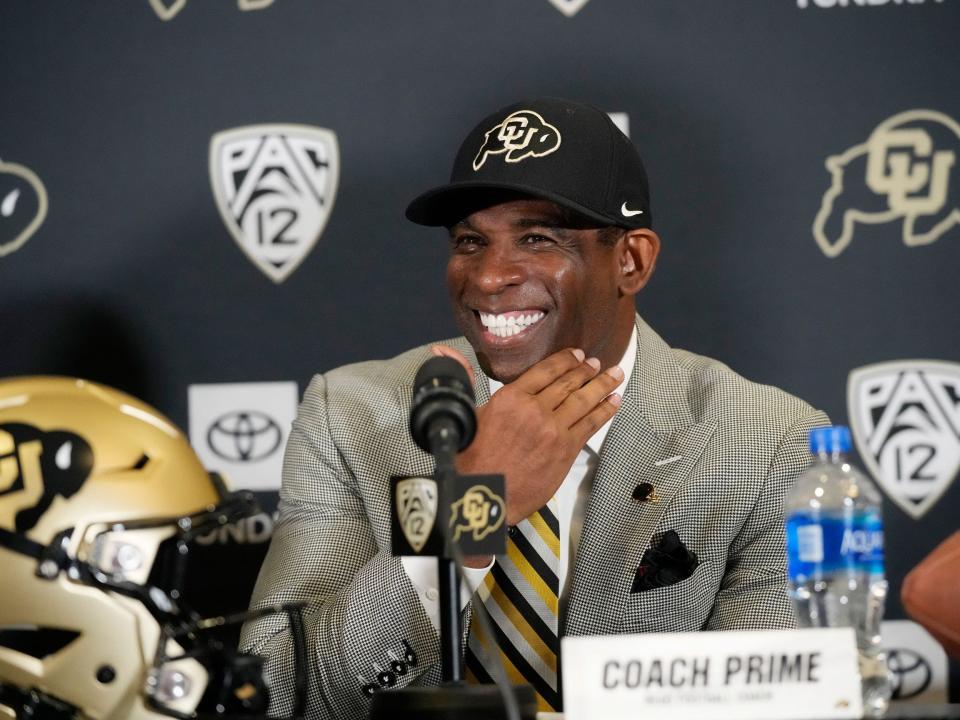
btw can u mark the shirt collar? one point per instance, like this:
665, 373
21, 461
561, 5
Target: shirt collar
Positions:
627, 363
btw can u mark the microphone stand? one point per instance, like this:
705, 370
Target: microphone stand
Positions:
442, 422
444, 440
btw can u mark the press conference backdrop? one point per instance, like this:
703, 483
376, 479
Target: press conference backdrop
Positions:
201, 203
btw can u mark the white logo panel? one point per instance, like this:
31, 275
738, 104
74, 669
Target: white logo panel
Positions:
905, 419
275, 187
241, 429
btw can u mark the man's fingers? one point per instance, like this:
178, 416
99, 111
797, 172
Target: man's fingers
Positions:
595, 419
447, 351
553, 395
549, 369
581, 403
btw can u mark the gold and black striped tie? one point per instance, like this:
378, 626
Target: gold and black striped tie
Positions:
520, 593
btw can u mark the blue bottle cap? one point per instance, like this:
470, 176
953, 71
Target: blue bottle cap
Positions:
830, 440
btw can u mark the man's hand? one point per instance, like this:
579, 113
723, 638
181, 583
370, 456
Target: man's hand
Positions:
532, 429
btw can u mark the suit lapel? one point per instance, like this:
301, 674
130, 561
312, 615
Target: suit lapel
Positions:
652, 439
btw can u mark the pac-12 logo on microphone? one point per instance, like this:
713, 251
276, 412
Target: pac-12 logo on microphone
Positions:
905, 418
905, 172
417, 509
274, 186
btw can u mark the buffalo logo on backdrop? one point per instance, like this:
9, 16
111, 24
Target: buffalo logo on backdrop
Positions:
918, 665
480, 512
416, 500
240, 429
905, 419
23, 206
905, 175
275, 186
522, 134
569, 7
168, 9
36, 468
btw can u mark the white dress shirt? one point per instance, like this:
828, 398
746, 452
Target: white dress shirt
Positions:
571, 497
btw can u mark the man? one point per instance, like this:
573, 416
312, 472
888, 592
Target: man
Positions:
644, 485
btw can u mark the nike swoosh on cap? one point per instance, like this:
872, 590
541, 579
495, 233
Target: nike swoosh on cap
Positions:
629, 213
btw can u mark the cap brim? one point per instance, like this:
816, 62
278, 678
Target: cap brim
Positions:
447, 205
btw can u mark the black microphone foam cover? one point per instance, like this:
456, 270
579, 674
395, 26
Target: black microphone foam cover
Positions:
442, 388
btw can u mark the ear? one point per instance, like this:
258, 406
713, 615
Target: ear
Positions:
637, 255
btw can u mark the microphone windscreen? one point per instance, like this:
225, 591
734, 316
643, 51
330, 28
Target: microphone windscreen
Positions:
443, 371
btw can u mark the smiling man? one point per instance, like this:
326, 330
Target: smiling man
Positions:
644, 484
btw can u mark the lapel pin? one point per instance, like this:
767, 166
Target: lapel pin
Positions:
645, 492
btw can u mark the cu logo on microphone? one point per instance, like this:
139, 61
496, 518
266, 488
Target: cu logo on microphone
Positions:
244, 436
910, 672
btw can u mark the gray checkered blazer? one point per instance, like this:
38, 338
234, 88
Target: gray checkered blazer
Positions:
740, 447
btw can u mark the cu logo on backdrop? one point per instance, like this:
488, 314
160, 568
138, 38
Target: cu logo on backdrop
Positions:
23, 206
168, 9
905, 420
244, 436
905, 173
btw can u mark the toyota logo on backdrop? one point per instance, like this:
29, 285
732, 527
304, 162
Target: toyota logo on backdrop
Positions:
244, 436
910, 671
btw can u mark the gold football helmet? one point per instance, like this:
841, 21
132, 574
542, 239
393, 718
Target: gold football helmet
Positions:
92, 622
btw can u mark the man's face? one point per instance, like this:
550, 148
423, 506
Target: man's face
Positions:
523, 286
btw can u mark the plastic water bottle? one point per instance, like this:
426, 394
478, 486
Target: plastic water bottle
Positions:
835, 556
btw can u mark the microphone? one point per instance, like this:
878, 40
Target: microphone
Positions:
443, 420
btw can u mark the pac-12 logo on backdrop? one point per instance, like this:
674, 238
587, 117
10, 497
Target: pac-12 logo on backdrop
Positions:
905, 174
275, 186
23, 206
240, 430
905, 419
168, 9
569, 7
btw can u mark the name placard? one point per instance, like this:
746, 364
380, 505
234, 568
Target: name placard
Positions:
735, 675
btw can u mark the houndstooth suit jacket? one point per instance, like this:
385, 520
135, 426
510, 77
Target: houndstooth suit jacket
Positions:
738, 445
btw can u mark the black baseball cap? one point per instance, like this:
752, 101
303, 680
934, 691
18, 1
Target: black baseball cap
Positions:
559, 150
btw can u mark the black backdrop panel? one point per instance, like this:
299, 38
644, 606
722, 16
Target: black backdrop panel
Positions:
132, 278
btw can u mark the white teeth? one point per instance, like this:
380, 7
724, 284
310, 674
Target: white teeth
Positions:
504, 325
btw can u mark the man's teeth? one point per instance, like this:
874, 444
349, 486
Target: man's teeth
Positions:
507, 324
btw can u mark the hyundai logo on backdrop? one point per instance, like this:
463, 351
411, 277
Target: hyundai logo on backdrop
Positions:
274, 186
905, 419
905, 175
240, 430
23, 205
918, 665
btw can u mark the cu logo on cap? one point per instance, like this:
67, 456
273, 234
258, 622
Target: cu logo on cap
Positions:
244, 436
522, 134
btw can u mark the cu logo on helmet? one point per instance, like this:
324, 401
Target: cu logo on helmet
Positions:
244, 436
910, 671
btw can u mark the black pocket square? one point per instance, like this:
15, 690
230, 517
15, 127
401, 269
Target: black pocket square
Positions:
665, 562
